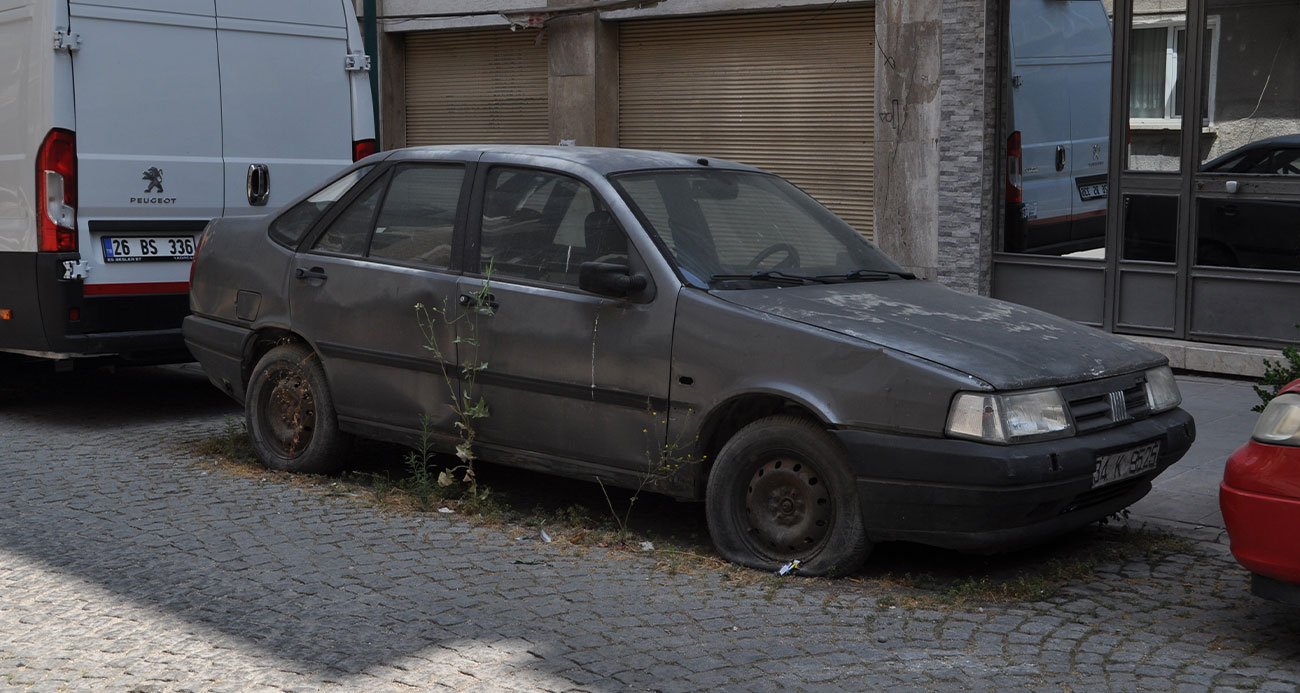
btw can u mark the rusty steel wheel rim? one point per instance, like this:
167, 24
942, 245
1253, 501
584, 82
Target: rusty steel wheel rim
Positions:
789, 508
291, 414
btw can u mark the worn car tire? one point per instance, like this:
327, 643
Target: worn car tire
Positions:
809, 507
290, 413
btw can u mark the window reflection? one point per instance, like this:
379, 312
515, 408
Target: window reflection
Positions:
1254, 83
1255, 86
1150, 227
1157, 53
1059, 127
1253, 234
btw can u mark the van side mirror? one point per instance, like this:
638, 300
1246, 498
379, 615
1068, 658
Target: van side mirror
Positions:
607, 279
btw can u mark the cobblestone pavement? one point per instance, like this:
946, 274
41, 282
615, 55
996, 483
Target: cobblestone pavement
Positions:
126, 566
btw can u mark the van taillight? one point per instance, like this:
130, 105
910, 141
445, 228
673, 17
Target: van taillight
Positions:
1015, 170
56, 192
362, 149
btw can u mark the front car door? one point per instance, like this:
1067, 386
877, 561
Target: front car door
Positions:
354, 291
566, 373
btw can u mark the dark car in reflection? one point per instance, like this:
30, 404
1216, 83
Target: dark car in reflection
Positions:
814, 395
1246, 232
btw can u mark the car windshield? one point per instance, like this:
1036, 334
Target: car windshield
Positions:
741, 229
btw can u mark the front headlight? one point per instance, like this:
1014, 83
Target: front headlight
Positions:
1280, 422
1008, 418
1162, 390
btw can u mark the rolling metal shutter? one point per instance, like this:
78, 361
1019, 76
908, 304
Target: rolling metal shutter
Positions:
791, 92
484, 86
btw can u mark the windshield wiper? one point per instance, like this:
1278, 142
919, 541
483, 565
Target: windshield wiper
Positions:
867, 275
776, 276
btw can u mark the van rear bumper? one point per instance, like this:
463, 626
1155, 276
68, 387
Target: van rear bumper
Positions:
53, 316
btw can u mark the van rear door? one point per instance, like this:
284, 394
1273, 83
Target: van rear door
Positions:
286, 104
148, 135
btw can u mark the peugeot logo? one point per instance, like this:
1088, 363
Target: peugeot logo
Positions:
1118, 407
154, 175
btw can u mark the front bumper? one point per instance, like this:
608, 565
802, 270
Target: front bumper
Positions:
1262, 522
975, 496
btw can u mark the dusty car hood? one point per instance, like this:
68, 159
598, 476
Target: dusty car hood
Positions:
1003, 344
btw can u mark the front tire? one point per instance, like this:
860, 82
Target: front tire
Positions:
781, 491
290, 413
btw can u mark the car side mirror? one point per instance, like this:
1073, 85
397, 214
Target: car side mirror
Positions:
607, 279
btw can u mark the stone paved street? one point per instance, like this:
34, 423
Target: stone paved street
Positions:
127, 566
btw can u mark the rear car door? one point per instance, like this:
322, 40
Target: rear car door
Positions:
286, 101
566, 372
354, 288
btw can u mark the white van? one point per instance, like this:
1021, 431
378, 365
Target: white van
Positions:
1057, 150
126, 125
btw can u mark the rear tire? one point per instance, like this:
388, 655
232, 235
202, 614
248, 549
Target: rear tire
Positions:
781, 491
290, 413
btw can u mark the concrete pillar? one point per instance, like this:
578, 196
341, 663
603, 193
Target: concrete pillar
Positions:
583, 56
392, 90
908, 68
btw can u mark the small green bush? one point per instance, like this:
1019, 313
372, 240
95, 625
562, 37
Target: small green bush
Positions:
1277, 374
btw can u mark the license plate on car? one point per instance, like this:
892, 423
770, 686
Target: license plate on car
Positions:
144, 248
1094, 191
1126, 464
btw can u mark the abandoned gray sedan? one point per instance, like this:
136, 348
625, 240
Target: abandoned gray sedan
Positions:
629, 313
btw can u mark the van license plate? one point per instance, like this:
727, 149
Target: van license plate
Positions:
1126, 464
1095, 191
145, 248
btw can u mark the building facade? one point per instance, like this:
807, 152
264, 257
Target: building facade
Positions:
1026, 149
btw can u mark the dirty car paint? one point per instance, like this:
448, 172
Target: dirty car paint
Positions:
1006, 345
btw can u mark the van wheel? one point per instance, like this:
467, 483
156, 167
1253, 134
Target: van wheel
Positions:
290, 414
781, 491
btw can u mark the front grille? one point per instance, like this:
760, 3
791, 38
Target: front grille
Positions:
1105, 403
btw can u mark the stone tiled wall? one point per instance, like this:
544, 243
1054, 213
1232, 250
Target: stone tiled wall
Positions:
967, 144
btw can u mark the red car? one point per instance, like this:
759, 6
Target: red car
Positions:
1260, 499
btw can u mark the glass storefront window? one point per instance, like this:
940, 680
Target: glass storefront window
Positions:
1254, 81
1255, 139
1058, 129
1157, 52
1150, 227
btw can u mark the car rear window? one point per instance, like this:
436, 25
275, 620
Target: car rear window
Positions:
291, 226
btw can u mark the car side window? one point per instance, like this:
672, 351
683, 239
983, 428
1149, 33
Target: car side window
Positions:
289, 228
543, 225
418, 217
349, 233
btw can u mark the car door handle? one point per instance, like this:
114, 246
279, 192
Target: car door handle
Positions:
258, 184
313, 273
1060, 157
472, 301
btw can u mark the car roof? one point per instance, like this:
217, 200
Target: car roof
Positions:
1291, 141
600, 160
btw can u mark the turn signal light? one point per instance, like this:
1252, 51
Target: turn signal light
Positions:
6, 314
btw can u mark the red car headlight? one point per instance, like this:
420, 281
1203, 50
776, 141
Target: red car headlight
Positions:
1280, 422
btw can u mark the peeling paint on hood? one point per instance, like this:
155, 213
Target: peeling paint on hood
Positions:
1006, 345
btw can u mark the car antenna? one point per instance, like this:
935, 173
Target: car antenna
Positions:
702, 161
